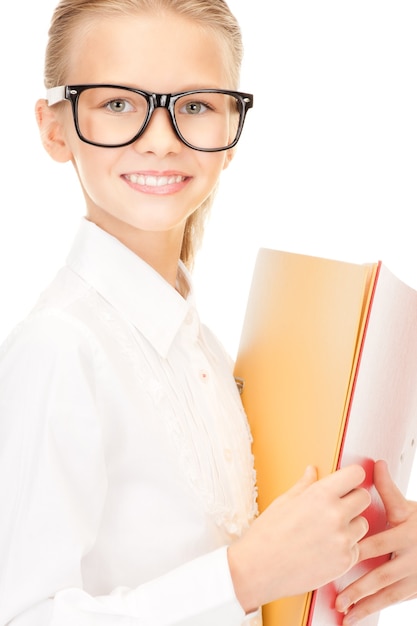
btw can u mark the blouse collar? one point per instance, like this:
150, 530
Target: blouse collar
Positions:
130, 285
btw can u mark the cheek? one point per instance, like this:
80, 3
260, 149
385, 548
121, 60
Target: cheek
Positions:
67, 123
94, 171
213, 163
93, 163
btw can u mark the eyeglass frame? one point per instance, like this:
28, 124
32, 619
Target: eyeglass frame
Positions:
166, 101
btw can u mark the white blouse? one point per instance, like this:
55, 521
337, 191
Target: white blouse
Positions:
125, 454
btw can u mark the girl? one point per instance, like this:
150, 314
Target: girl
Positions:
127, 478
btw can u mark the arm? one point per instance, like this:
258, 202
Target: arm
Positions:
54, 479
395, 580
53, 487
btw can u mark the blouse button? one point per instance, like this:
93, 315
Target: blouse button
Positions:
189, 318
204, 375
228, 455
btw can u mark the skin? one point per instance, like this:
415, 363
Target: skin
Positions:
282, 552
148, 220
395, 580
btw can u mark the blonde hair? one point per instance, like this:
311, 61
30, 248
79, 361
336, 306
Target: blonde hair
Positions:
214, 15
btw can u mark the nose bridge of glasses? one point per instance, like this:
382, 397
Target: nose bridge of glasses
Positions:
161, 100
155, 118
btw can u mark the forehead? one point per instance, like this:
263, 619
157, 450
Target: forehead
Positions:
160, 53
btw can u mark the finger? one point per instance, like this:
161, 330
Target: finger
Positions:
355, 554
395, 504
385, 542
355, 502
307, 479
344, 480
388, 578
358, 528
398, 592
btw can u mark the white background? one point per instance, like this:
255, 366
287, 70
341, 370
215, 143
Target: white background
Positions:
327, 164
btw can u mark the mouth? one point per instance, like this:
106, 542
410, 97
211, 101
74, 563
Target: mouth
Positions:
146, 180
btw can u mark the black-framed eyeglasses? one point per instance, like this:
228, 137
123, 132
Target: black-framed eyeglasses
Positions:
112, 116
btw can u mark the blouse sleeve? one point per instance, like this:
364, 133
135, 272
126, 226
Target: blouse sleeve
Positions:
53, 489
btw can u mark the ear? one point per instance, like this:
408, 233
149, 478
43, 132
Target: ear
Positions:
228, 157
51, 128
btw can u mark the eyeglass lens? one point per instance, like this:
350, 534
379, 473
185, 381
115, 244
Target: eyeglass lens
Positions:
113, 116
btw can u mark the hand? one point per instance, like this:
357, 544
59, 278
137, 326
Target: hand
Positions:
304, 539
394, 580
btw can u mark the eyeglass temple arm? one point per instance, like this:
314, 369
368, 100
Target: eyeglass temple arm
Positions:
55, 94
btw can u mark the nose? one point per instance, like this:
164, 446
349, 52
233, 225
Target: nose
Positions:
159, 136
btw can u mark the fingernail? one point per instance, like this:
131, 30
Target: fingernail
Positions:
343, 603
310, 471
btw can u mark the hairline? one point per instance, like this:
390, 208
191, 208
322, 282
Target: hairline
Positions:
87, 21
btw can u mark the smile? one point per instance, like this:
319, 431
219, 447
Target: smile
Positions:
154, 181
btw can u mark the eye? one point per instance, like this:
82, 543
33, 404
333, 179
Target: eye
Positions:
195, 108
119, 106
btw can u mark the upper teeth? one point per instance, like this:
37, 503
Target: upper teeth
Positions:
154, 181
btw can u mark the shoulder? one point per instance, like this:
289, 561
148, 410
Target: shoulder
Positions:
52, 347
56, 323
50, 377
46, 332
50, 355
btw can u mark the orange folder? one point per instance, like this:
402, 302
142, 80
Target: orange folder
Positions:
328, 360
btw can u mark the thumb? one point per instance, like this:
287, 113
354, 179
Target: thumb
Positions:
308, 478
396, 506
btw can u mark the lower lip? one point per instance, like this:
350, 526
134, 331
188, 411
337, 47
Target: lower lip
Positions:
163, 190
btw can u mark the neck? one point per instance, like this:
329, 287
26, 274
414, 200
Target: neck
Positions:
159, 249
